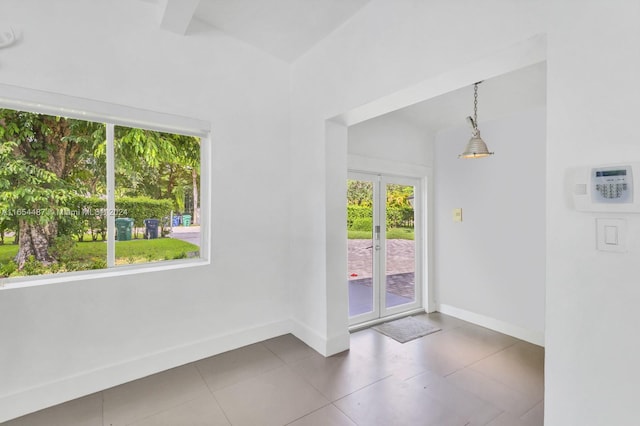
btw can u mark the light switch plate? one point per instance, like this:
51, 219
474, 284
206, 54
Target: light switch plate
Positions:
611, 235
457, 215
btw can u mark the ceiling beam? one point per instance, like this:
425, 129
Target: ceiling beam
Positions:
177, 15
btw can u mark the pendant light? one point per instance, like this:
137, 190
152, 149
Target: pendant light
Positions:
476, 148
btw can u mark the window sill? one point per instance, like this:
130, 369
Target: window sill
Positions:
118, 271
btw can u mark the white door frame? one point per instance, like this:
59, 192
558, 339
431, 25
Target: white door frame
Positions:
380, 181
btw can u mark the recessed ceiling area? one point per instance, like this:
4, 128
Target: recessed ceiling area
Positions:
498, 97
285, 29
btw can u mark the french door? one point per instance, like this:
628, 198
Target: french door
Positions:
384, 246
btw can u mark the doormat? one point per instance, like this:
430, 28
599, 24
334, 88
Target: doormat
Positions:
406, 329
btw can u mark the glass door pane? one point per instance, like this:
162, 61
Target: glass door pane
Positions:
400, 247
384, 246
361, 247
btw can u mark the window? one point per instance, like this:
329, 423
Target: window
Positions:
79, 194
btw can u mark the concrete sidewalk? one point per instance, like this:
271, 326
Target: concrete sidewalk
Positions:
190, 234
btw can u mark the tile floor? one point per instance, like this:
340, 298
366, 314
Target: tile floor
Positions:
462, 375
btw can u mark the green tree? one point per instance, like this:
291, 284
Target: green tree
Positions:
398, 195
188, 159
38, 157
360, 193
158, 165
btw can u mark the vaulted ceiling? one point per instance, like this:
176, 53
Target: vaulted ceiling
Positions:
283, 28
287, 29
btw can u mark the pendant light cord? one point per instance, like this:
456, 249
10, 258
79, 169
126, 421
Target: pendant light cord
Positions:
475, 104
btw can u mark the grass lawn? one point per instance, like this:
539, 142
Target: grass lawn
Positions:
392, 234
7, 251
134, 251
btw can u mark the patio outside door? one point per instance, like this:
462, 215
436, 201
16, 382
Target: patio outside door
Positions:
384, 246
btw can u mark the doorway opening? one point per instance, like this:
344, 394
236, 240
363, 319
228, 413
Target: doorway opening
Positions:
384, 246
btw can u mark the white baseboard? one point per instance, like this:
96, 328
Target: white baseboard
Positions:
338, 343
531, 336
87, 382
326, 347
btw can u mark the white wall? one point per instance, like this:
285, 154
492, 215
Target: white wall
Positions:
592, 348
492, 264
391, 138
63, 340
386, 48
117, 54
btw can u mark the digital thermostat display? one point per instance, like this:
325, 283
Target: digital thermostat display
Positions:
612, 185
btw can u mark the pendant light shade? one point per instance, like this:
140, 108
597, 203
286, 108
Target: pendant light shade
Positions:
476, 148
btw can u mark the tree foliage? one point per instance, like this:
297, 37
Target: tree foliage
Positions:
47, 162
156, 164
38, 157
398, 195
399, 212
359, 193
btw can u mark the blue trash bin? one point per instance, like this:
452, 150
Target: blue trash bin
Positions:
151, 228
176, 220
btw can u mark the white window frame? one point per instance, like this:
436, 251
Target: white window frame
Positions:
41, 102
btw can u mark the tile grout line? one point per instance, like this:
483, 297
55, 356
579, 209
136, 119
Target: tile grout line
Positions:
304, 379
532, 408
426, 370
485, 357
498, 408
212, 394
465, 391
284, 364
345, 414
311, 412
288, 365
470, 366
331, 401
170, 407
361, 388
506, 385
161, 411
490, 379
279, 357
